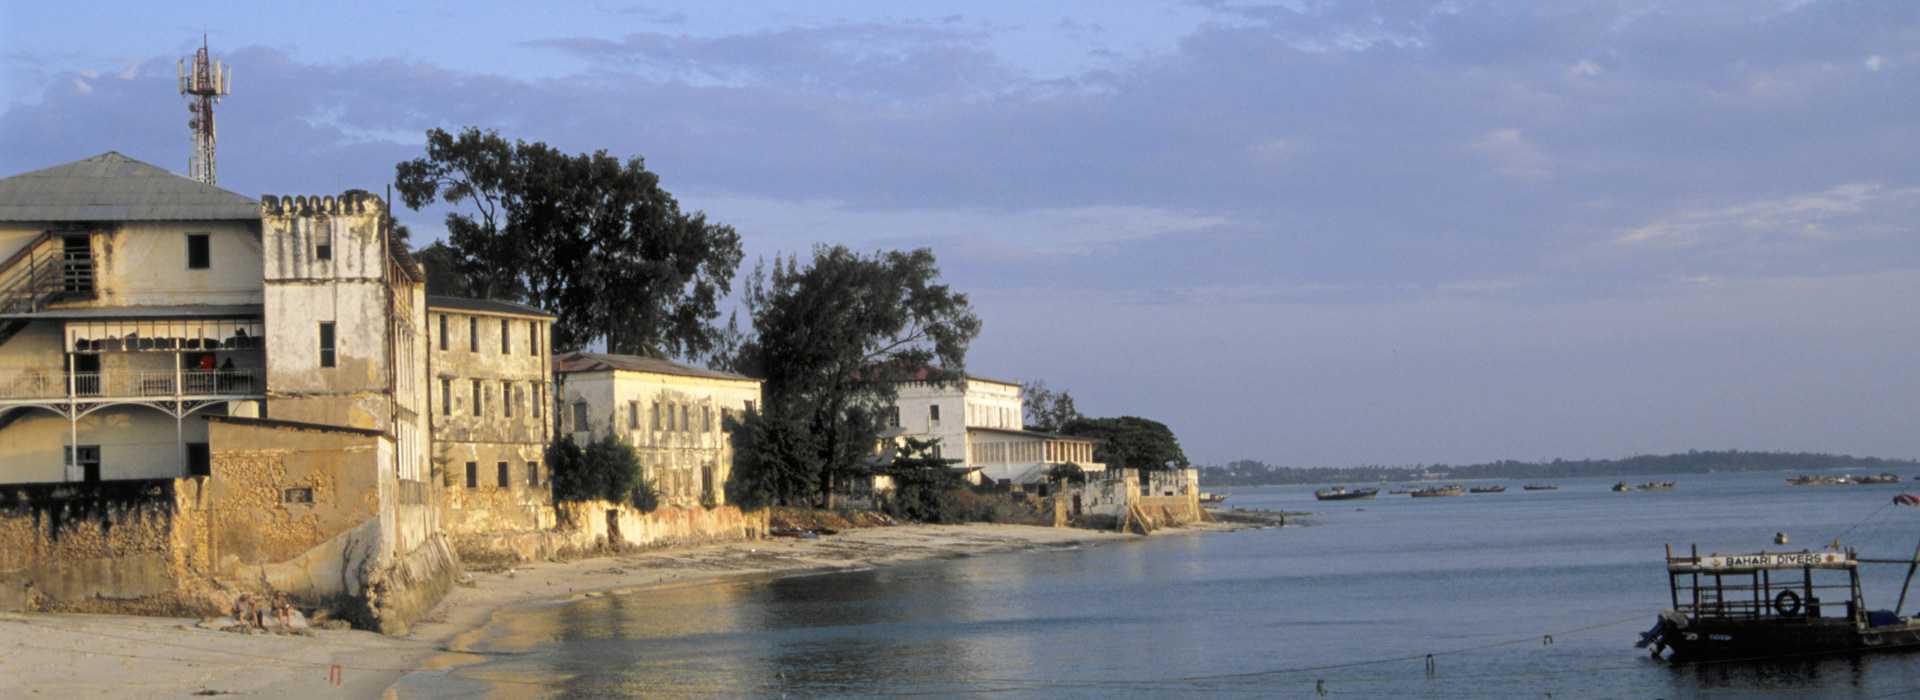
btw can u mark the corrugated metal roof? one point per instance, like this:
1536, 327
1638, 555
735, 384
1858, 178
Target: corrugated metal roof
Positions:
602, 362
113, 187
494, 306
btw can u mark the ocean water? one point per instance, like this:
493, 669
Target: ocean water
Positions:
1348, 606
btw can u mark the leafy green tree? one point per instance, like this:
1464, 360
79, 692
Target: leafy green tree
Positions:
443, 270
1047, 410
774, 460
832, 338
1068, 473
921, 483
588, 236
1131, 442
607, 469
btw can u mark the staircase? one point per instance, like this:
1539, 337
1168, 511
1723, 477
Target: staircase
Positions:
48, 268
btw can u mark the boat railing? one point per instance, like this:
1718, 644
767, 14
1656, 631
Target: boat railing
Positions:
1765, 585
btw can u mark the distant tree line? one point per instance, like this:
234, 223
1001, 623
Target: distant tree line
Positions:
1254, 473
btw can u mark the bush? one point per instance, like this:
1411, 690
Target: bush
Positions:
608, 469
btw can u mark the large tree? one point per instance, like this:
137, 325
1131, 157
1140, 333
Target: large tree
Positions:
1047, 410
588, 236
1131, 442
831, 339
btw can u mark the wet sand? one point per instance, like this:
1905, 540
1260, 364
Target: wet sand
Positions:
59, 656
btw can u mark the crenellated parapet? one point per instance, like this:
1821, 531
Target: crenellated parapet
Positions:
349, 202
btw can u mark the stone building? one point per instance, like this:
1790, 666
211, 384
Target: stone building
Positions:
979, 423
674, 415
246, 380
491, 393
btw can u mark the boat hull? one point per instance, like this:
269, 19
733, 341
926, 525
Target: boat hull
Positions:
1725, 640
1348, 496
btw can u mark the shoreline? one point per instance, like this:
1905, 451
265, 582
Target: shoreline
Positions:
126, 656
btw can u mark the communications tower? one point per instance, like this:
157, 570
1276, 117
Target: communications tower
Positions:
203, 83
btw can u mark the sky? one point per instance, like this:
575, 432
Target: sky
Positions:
1308, 233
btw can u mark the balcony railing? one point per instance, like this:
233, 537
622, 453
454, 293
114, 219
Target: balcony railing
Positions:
121, 384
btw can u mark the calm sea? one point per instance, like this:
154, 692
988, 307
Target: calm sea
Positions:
1478, 581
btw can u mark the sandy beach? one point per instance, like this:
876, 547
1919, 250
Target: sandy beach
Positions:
117, 656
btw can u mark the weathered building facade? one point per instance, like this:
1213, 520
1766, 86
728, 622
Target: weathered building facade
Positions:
674, 415
491, 397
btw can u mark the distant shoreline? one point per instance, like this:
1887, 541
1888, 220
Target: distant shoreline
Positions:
1252, 473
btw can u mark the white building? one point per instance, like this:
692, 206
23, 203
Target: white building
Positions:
979, 423
674, 415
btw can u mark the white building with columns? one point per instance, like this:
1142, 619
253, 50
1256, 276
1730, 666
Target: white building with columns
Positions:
980, 424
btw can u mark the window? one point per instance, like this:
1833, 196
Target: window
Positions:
326, 344
533, 473
656, 415
89, 456
503, 474
473, 334
446, 397
893, 416
443, 332
506, 337
199, 459
933, 413
633, 415
686, 426
199, 252
533, 338
479, 399
506, 399
539, 397
749, 406
706, 484
580, 417
706, 419
473, 475
670, 426
323, 245
302, 494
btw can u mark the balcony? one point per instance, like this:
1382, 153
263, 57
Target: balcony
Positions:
34, 386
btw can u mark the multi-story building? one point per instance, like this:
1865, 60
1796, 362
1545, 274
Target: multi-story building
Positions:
674, 415
979, 424
131, 304
491, 393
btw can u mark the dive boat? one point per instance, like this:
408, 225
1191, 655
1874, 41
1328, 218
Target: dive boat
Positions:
1439, 491
1774, 604
1488, 489
1540, 487
1342, 493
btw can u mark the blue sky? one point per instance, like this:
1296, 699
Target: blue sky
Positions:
1303, 232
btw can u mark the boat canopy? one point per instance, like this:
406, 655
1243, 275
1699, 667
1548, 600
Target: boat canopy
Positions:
1762, 561
1907, 499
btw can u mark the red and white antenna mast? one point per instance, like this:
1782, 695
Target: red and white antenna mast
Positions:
204, 83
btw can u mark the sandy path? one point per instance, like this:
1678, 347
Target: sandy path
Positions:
62, 656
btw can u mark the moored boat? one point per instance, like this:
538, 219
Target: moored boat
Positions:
1621, 487
1771, 605
1488, 489
1436, 491
1657, 486
1342, 493
1541, 487
1879, 479
1213, 497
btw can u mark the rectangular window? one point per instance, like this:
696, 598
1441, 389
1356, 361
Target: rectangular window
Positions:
580, 417
893, 416
533, 473
199, 459
706, 419
633, 415
506, 337
656, 415
199, 252
443, 332
446, 397
533, 338
326, 344
473, 334
685, 425
323, 245
670, 427
506, 399
503, 475
933, 413
479, 399
749, 406
301, 494
473, 475
539, 397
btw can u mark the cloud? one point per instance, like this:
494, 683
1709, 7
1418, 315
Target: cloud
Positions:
1853, 210
1513, 155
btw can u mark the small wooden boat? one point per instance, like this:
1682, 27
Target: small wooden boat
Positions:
1400, 492
1488, 489
1213, 498
1540, 487
1880, 479
1621, 487
1342, 493
1657, 486
1438, 491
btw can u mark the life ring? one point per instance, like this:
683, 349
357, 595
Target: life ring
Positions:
1787, 604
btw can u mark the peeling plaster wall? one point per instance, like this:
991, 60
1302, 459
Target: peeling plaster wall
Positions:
349, 290
144, 263
674, 422
510, 424
111, 547
586, 524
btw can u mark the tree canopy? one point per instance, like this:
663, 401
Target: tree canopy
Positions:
830, 339
590, 237
1047, 410
1131, 442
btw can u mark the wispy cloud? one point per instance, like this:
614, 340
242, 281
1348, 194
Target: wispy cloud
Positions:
1847, 211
